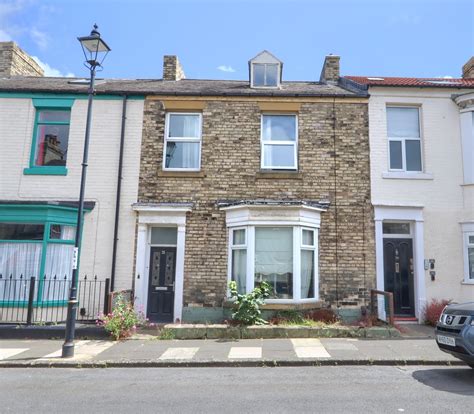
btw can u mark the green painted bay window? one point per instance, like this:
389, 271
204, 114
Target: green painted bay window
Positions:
36, 241
50, 140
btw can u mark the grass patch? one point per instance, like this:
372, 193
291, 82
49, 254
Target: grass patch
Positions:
166, 334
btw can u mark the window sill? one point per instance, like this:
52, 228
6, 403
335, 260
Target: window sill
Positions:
272, 174
407, 175
468, 282
45, 171
182, 174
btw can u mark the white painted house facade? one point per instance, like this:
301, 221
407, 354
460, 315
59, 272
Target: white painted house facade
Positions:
422, 156
42, 130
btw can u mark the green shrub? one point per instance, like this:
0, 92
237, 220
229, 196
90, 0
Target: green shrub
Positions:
433, 310
248, 305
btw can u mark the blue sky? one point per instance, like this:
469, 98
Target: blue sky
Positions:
215, 39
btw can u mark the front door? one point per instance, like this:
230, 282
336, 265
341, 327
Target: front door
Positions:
399, 277
161, 284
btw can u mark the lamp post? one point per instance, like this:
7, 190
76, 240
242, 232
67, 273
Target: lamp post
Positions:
95, 50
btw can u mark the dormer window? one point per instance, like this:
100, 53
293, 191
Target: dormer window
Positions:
265, 74
265, 71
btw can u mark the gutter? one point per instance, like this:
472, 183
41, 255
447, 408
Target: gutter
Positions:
119, 190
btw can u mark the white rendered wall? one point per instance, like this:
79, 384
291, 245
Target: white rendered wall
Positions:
439, 193
16, 128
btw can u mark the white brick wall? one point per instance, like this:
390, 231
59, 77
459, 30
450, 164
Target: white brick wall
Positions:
16, 128
442, 197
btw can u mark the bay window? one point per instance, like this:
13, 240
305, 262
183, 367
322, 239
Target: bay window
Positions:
182, 148
36, 241
279, 136
404, 139
286, 257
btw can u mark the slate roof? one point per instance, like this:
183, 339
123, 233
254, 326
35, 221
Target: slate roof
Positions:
457, 83
185, 87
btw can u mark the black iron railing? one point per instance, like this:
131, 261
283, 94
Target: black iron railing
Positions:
30, 300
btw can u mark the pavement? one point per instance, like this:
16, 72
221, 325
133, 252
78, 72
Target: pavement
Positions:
144, 351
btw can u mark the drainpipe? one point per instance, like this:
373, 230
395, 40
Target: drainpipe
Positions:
119, 190
334, 120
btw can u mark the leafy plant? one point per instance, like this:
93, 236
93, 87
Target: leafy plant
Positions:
248, 305
433, 311
122, 321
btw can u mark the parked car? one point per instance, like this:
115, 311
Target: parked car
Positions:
455, 331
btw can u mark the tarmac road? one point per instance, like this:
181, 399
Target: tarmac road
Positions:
343, 389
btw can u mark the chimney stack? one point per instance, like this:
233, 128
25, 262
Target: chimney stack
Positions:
172, 70
15, 62
468, 69
330, 72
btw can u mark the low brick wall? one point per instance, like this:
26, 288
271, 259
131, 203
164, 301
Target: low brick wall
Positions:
200, 331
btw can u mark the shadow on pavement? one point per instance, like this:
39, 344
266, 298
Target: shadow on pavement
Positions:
454, 380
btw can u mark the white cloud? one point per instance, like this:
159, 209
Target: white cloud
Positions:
7, 9
40, 38
12, 29
52, 72
225, 68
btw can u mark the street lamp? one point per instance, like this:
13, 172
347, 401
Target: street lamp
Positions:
95, 50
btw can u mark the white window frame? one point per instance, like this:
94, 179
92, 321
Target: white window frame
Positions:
314, 248
233, 247
252, 85
297, 248
403, 141
466, 246
293, 143
182, 139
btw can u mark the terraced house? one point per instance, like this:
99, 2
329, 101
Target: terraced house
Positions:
42, 124
422, 174
257, 180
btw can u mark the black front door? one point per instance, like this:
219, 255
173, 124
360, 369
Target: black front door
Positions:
398, 270
161, 284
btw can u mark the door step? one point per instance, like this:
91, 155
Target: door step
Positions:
406, 319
